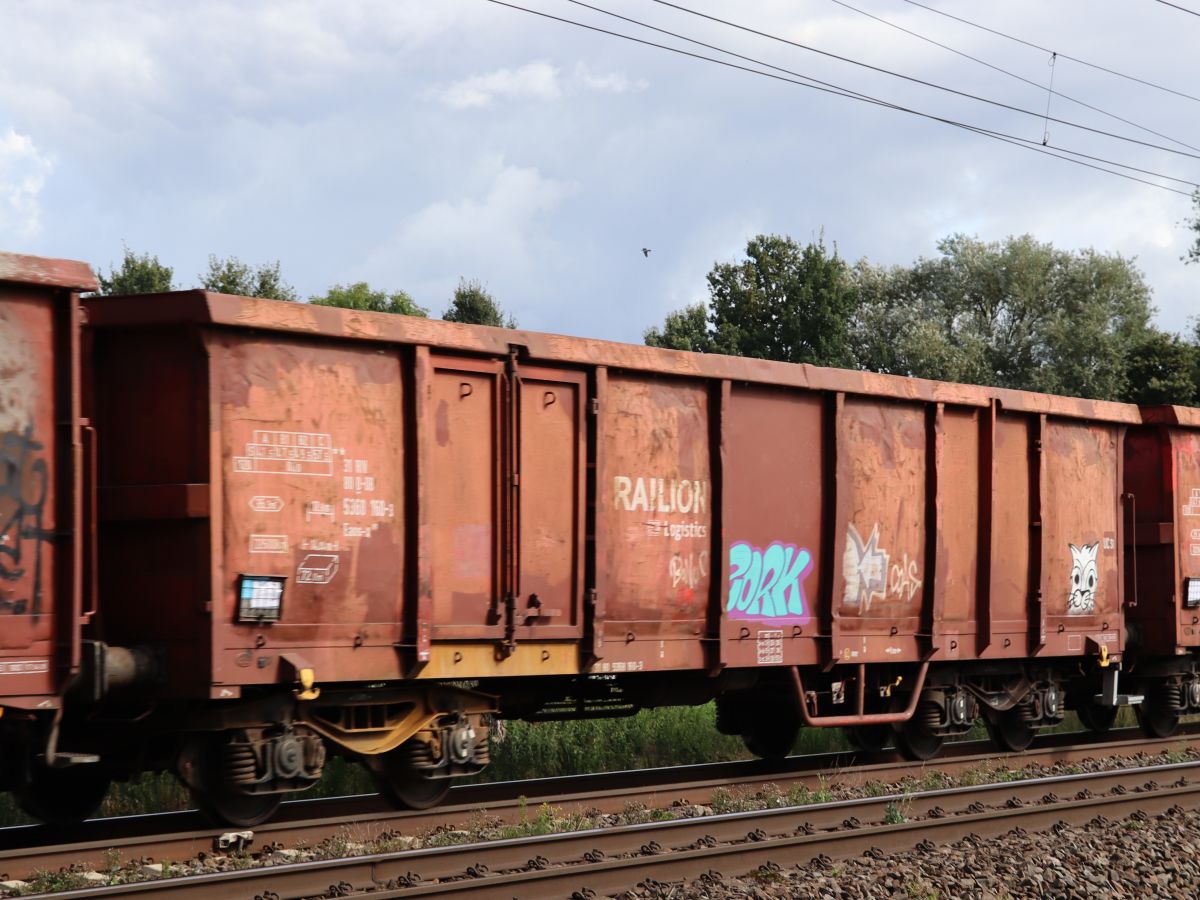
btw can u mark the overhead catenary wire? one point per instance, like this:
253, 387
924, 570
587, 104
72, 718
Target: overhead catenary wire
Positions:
814, 84
922, 81
1074, 59
1190, 12
857, 95
1011, 74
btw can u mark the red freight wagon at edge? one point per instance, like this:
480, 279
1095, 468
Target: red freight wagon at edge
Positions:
47, 555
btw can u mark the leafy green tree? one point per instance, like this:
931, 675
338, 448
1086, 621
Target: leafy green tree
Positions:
1017, 313
1162, 370
139, 273
782, 301
1193, 224
684, 329
232, 276
472, 304
360, 296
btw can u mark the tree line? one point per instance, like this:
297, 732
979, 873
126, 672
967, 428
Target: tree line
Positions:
1016, 313
142, 273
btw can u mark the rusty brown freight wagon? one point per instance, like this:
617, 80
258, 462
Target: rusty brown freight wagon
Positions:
326, 523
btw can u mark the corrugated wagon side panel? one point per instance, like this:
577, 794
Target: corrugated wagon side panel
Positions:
958, 549
464, 495
882, 508
655, 497
312, 482
1011, 534
1082, 559
774, 545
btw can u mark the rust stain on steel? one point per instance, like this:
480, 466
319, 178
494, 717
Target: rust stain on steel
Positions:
312, 490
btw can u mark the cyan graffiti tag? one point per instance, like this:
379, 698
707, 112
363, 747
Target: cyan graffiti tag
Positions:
768, 584
24, 484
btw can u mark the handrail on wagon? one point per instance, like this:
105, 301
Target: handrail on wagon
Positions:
861, 717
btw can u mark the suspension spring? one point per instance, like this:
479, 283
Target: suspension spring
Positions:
241, 765
1169, 696
931, 715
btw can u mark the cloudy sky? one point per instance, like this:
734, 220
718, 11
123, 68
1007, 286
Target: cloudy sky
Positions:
410, 143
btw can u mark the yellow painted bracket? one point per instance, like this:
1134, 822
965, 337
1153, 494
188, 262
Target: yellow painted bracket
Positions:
307, 691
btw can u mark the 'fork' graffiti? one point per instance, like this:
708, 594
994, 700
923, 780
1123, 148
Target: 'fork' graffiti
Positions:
768, 584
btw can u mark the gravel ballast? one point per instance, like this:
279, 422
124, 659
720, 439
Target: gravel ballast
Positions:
1140, 856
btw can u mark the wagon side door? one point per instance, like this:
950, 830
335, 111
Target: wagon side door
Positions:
551, 477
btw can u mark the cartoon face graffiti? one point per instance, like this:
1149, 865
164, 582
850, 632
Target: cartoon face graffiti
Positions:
1084, 577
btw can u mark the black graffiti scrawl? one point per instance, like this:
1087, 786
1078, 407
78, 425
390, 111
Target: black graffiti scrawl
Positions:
24, 485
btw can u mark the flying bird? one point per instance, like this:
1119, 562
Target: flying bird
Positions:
645, 251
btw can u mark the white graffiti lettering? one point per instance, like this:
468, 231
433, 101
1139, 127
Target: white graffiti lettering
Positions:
864, 568
675, 531
870, 572
903, 581
660, 495
688, 570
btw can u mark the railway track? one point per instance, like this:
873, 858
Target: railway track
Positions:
179, 836
609, 860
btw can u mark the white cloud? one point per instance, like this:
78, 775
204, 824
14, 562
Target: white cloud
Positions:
501, 232
610, 83
23, 172
536, 80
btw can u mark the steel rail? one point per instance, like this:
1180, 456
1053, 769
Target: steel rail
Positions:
178, 836
605, 860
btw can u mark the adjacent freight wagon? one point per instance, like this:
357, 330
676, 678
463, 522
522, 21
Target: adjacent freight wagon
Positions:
47, 558
1162, 598
370, 533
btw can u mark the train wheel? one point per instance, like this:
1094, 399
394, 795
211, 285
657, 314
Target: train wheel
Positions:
1096, 718
917, 739
1009, 731
224, 806
771, 738
216, 795
868, 737
62, 796
917, 742
1159, 712
402, 784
